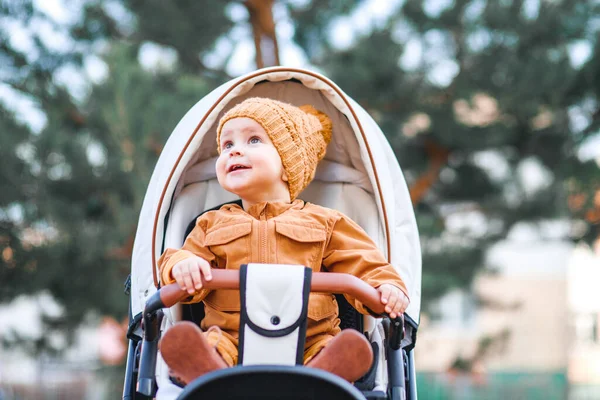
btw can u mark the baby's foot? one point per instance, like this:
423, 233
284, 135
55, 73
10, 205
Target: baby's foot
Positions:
348, 355
187, 352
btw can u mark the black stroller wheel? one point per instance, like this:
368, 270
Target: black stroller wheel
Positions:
270, 382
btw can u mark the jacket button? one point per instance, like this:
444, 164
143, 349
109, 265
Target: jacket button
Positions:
275, 320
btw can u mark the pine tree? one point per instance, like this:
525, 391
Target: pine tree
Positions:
502, 100
71, 192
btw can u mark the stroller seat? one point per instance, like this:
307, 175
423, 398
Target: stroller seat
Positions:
344, 196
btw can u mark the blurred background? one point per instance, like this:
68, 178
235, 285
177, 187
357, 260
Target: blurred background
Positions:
491, 106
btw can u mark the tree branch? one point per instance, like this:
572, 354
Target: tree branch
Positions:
438, 157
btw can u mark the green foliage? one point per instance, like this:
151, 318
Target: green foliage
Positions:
313, 22
71, 193
190, 27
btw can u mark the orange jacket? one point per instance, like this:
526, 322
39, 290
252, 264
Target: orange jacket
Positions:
281, 233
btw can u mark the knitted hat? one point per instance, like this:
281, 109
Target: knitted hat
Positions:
300, 135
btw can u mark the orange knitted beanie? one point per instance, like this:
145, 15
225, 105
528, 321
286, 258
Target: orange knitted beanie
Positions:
300, 135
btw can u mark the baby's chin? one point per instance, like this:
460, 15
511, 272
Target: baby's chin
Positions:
243, 190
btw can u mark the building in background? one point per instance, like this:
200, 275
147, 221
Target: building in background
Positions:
83, 371
583, 294
534, 334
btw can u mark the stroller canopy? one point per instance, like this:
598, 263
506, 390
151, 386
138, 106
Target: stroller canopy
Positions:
359, 154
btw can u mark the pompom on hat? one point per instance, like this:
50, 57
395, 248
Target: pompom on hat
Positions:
300, 135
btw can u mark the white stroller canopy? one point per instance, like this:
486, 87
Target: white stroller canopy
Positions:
358, 154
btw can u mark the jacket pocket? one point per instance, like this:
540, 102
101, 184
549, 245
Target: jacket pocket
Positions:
225, 234
321, 305
300, 244
301, 233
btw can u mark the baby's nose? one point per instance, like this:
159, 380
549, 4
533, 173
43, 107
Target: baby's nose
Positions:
236, 151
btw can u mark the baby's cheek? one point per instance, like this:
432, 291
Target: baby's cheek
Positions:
220, 167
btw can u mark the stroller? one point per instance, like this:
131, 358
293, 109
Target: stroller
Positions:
359, 176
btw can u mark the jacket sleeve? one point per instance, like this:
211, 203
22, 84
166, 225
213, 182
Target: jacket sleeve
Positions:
194, 246
350, 250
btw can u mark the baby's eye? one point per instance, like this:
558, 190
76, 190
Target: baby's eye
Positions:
254, 140
227, 145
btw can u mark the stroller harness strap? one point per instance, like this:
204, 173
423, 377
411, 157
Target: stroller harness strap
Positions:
274, 307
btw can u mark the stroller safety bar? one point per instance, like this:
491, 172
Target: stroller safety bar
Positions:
326, 282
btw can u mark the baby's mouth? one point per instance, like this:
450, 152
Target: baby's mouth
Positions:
237, 167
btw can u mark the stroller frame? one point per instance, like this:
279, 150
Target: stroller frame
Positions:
142, 357
374, 178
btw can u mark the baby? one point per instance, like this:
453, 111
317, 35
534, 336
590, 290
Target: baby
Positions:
268, 153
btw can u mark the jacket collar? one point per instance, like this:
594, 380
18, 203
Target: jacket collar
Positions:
270, 209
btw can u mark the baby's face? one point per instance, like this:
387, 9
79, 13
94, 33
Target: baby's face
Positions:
249, 164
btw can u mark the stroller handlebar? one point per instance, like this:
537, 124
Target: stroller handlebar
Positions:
325, 282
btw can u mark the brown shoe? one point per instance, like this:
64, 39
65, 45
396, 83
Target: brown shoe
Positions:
348, 355
187, 352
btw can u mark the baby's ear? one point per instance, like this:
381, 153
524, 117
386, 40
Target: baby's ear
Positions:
284, 176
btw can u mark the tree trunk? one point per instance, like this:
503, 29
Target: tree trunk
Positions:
263, 29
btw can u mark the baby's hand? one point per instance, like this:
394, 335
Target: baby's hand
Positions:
188, 273
394, 299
